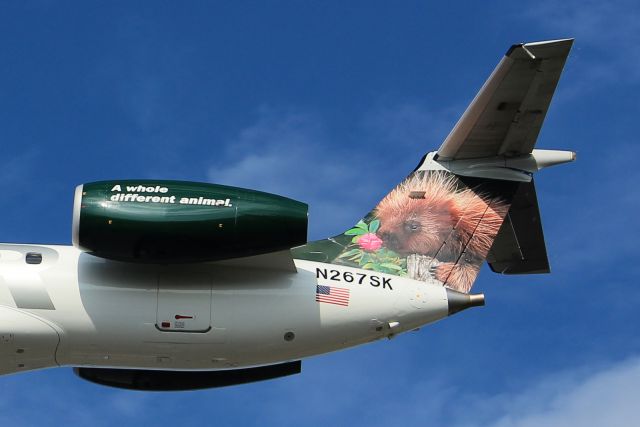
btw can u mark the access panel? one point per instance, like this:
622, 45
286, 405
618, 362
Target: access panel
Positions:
184, 301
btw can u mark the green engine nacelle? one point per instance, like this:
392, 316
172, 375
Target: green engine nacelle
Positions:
182, 222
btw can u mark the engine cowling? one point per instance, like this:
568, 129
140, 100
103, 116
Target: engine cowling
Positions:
182, 222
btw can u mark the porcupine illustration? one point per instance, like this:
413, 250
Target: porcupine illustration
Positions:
428, 214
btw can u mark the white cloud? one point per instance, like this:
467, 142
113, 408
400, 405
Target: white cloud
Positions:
605, 205
290, 154
598, 23
604, 397
293, 153
606, 38
279, 153
129, 404
16, 172
410, 125
586, 397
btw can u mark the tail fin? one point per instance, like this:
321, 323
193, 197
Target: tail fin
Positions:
448, 216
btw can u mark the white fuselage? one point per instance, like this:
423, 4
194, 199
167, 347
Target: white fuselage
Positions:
74, 309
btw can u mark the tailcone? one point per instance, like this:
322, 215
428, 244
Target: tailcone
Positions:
458, 301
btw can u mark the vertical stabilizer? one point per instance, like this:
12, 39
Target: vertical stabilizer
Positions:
440, 223
434, 226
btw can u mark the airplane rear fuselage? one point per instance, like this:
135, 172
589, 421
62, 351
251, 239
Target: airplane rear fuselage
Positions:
70, 308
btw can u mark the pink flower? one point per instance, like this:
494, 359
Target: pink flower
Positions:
370, 242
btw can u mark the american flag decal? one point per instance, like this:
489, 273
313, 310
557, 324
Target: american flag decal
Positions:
332, 295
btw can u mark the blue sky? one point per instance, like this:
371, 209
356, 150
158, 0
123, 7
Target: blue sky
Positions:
333, 103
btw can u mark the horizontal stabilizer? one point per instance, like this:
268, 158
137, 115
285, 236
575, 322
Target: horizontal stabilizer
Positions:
505, 117
519, 247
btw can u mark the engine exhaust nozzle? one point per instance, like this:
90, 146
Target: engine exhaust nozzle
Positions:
458, 301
